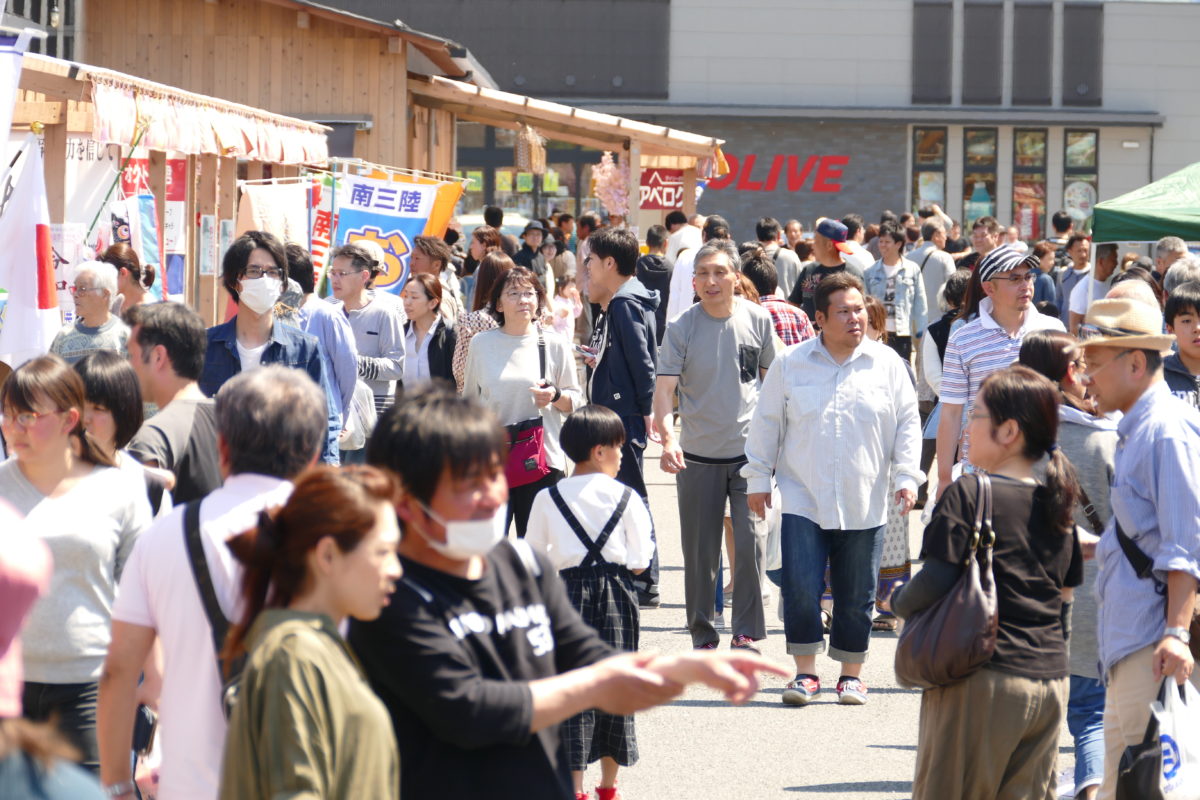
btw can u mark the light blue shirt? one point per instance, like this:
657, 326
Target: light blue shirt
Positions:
1154, 495
338, 348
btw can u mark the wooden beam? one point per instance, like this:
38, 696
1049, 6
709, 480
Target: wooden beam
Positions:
56, 171
689, 191
501, 120
55, 86
157, 180
47, 112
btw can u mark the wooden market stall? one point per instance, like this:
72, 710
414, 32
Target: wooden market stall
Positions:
641, 144
214, 135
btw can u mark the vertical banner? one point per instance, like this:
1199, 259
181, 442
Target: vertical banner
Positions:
175, 228
69, 250
390, 213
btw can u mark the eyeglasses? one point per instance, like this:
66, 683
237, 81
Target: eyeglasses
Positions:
86, 289
1017, 277
339, 273
516, 297
253, 273
25, 419
1088, 378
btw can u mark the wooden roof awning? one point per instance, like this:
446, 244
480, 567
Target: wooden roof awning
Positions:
561, 122
174, 119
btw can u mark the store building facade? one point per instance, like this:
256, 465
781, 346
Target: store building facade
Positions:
1011, 107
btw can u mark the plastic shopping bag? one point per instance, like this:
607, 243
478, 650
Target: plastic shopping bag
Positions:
1178, 716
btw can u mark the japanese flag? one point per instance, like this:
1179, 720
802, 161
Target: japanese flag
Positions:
30, 317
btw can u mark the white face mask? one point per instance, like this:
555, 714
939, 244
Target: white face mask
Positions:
467, 537
260, 294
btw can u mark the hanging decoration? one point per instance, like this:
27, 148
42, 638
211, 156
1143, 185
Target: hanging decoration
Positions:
529, 152
611, 184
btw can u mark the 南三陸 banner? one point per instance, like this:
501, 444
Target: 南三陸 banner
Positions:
392, 213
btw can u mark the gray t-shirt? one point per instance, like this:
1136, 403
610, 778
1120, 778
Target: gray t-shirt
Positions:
77, 340
182, 438
379, 334
90, 531
718, 362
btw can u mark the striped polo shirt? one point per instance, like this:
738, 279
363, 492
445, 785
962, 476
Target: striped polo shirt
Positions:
980, 348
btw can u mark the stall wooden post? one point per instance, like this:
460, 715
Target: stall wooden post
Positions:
286, 171
157, 179
689, 191
55, 170
254, 170
227, 220
206, 240
634, 188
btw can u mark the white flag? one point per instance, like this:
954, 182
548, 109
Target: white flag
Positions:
30, 316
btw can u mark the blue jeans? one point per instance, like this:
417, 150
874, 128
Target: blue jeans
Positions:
1085, 721
853, 558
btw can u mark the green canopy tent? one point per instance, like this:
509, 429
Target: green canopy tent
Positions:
1168, 207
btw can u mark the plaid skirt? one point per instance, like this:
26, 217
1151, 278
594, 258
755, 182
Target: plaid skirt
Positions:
605, 598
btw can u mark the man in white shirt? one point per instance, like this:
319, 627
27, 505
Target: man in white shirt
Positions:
856, 231
1087, 292
935, 264
261, 452
1078, 249
685, 236
682, 291
836, 420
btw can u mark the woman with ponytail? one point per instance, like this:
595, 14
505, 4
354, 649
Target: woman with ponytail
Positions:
995, 734
89, 513
133, 279
306, 722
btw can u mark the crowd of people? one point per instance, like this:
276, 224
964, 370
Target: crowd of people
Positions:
352, 543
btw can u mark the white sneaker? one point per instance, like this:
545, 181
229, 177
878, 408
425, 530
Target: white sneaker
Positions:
719, 622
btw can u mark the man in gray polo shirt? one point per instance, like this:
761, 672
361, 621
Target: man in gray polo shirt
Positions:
715, 353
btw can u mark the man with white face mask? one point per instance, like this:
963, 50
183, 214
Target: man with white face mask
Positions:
480, 655
253, 273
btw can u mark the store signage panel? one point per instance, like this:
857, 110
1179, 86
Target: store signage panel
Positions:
814, 173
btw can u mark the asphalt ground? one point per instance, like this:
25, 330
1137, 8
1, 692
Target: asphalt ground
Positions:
702, 747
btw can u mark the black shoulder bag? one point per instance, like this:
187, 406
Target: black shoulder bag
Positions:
229, 671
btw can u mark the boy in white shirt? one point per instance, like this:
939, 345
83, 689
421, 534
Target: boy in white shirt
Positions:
604, 541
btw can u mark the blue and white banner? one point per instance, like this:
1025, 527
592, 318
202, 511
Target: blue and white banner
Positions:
390, 213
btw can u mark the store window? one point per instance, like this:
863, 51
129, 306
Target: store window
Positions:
929, 167
982, 72
1032, 46
979, 175
1083, 66
1081, 169
933, 23
1029, 183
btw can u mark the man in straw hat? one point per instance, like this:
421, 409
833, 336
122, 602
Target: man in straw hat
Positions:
1149, 556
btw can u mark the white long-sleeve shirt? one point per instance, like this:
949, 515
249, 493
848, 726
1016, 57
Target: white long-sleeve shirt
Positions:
833, 433
592, 499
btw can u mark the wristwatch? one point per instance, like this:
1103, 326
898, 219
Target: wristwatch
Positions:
1182, 634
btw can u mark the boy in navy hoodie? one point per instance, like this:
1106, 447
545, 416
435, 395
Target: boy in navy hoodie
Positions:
622, 358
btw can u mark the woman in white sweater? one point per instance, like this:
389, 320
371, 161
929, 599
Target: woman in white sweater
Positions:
509, 376
89, 514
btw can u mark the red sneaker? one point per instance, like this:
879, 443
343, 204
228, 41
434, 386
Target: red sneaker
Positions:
744, 642
801, 689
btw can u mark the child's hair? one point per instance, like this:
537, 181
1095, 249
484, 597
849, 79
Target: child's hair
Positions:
1031, 400
589, 428
562, 283
1184, 299
877, 316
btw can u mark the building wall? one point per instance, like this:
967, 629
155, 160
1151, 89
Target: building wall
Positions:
254, 53
822, 52
805, 170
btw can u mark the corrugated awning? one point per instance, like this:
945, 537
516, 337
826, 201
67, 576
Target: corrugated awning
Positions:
174, 119
564, 123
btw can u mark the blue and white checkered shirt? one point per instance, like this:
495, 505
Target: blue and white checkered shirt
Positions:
1157, 500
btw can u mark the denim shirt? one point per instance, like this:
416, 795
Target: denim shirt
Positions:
909, 299
288, 346
1154, 497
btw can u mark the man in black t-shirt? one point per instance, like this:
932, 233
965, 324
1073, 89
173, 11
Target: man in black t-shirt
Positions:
480, 655
166, 348
829, 243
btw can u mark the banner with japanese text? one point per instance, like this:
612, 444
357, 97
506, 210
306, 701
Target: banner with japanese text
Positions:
391, 213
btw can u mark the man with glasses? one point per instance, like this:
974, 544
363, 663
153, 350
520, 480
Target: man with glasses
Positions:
94, 328
253, 273
988, 343
1149, 555
378, 324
